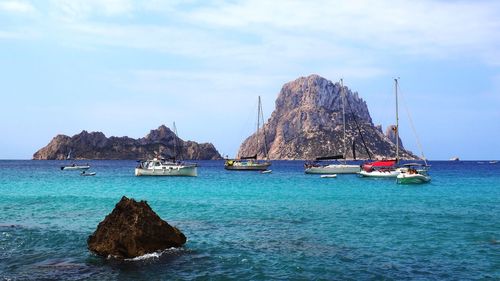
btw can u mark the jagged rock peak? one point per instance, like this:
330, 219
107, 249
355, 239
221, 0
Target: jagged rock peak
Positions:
317, 92
162, 132
308, 122
161, 135
95, 145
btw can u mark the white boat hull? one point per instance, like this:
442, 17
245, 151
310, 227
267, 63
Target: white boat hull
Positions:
173, 170
334, 169
380, 173
75, 168
246, 166
405, 178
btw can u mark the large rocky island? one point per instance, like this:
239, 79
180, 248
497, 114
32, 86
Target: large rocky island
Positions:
96, 145
307, 123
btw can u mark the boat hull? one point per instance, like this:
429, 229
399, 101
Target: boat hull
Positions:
181, 171
334, 169
380, 174
412, 178
248, 167
75, 168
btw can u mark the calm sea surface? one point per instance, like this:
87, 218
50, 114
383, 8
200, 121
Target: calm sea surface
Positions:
245, 225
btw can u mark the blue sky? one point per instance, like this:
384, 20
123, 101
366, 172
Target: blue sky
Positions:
124, 67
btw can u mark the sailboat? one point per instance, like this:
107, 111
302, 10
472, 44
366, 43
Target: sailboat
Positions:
385, 168
251, 163
167, 167
74, 166
338, 168
407, 174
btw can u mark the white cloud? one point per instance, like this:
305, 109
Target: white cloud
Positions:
16, 6
75, 10
286, 31
437, 28
19, 34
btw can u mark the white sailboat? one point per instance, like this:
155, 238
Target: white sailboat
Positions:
163, 167
407, 174
414, 173
74, 166
337, 168
385, 168
251, 163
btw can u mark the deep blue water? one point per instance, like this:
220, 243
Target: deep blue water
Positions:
245, 225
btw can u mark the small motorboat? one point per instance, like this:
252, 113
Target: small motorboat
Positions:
329, 176
87, 174
406, 178
412, 175
75, 167
493, 162
266, 172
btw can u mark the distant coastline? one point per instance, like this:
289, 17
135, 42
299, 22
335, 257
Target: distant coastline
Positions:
95, 145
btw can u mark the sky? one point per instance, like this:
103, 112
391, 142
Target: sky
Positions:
125, 67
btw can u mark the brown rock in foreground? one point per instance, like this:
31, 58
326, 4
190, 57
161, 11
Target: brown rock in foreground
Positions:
131, 230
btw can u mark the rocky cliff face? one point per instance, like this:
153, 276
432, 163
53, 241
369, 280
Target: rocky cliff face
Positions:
96, 145
308, 123
390, 133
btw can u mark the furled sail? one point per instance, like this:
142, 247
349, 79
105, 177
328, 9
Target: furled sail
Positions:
249, 157
334, 157
353, 150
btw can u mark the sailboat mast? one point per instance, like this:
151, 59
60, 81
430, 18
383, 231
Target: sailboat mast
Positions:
175, 143
263, 130
258, 126
397, 119
342, 95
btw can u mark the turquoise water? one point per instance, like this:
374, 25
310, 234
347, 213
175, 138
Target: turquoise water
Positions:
246, 225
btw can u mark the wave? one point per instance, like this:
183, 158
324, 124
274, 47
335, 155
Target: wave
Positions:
156, 255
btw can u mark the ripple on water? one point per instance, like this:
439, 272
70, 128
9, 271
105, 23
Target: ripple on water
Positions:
246, 227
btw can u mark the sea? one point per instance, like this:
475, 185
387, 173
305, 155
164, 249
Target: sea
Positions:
285, 225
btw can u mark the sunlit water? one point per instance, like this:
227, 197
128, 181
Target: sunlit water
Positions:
247, 225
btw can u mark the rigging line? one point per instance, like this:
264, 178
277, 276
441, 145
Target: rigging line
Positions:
258, 125
246, 122
342, 94
412, 125
359, 130
175, 142
263, 129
